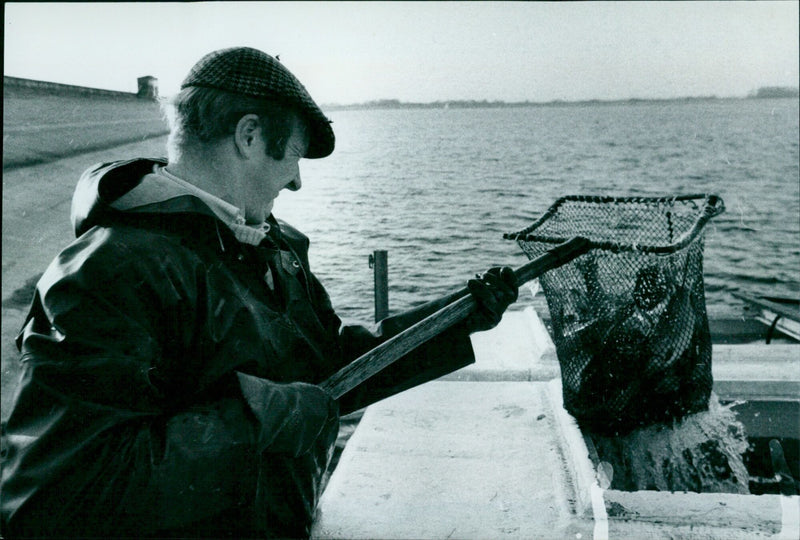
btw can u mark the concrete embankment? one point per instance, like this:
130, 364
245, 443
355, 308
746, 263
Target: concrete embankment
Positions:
41, 125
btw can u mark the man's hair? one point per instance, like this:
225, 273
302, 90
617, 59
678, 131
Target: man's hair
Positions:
204, 115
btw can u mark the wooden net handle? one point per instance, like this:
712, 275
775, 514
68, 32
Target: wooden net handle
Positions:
391, 350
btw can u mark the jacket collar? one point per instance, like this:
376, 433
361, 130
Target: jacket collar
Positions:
107, 193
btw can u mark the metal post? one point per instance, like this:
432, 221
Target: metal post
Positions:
378, 261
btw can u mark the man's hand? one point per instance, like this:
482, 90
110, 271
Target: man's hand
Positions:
493, 291
292, 416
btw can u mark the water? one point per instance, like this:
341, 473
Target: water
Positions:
438, 188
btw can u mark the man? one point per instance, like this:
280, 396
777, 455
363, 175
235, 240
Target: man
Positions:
172, 353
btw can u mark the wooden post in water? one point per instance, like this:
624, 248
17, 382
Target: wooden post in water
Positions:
378, 261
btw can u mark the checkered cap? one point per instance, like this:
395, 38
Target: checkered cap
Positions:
247, 71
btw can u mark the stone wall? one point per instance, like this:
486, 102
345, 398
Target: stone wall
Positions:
17, 83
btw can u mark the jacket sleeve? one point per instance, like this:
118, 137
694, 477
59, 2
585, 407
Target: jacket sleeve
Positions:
291, 417
99, 324
82, 408
443, 354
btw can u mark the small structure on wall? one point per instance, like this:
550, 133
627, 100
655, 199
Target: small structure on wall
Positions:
148, 87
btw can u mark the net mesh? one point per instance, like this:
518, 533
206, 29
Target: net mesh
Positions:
629, 317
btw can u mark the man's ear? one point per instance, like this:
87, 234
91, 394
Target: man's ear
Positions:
247, 134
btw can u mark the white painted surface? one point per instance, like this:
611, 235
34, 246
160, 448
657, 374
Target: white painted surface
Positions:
491, 453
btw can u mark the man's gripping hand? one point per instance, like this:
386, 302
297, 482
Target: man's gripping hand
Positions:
493, 291
292, 416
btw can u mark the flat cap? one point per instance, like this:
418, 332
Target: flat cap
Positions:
243, 70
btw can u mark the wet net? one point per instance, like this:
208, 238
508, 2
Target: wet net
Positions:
629, 316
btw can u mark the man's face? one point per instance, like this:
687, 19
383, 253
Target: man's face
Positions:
268, 176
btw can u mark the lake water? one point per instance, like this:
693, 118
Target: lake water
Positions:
438, 188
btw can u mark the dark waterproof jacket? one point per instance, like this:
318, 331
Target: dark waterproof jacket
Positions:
164, 376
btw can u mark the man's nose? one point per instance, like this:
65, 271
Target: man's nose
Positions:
295, 184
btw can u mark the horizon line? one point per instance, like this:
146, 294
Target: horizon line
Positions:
762, 92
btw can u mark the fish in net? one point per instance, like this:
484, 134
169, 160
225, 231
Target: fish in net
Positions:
631, 331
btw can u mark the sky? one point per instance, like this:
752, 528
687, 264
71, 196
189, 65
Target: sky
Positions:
347, 52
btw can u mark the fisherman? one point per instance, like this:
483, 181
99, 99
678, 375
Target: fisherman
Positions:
172, 355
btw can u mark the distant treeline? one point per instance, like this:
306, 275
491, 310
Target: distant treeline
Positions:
765, 92
484, 104
777, 92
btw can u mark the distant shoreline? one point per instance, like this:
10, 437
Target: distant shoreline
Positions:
762, 93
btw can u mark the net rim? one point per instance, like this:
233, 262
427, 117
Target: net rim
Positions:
712, 205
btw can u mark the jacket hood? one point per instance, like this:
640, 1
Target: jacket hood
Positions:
105, 183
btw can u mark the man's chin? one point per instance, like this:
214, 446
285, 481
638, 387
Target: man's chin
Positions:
260, 216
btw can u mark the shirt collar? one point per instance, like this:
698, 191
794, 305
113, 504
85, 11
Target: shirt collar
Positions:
230, 214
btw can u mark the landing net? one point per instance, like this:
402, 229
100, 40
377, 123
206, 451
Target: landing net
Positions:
629, 316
